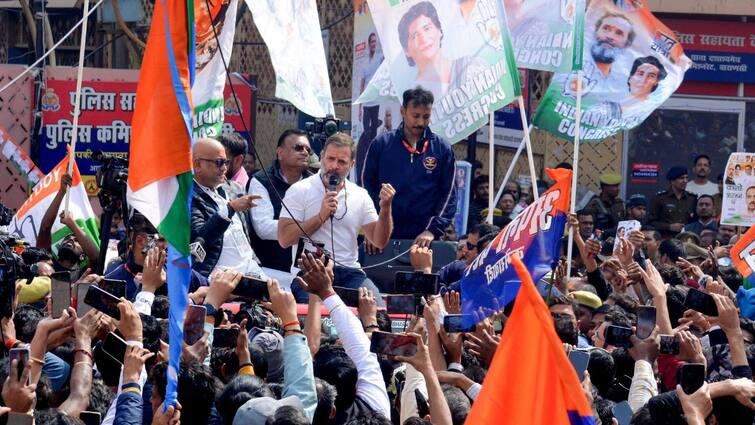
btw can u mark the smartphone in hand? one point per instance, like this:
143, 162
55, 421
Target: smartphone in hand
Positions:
618, 336
225, 337
194, 323
252, 288
349, 296
115, 347
60, 294
22, 355
669, 345
402, 304
702, 302
454, 323
103, 301
691, 377
114, 286
645, 321
415, 283
393, 344
579, 359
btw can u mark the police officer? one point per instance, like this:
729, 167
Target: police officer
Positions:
607, 207
671, 209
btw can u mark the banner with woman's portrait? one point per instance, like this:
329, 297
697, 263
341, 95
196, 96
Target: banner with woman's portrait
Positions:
459, 50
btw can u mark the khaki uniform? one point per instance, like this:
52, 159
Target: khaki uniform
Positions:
666, 208
607, 214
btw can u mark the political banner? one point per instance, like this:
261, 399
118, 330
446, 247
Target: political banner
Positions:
542, 32
738, 204
490, 282
632, 63
291, 30
105, 122
743, 256
382, 114
29, 216
20, 160
210, 74
509, 130
462, 183
461, 52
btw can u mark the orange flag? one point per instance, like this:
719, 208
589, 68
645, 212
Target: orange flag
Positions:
530, 380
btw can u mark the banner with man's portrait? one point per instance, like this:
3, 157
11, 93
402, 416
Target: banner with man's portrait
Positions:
632, 63
459, 50
738, 204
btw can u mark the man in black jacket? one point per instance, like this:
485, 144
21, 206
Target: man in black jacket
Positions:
290, 166
216, 216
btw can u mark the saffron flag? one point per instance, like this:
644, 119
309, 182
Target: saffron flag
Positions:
632, 63
207, 90
489, 283
530, 380
291, 30
28, 218
160, 167
459, 51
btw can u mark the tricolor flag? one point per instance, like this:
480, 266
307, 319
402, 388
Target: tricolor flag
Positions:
160, 168
490, 283
530, 380
28, 218
743, 257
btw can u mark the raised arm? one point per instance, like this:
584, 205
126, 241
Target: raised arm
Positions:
44, 235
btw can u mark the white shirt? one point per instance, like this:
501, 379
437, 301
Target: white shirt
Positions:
368, 71
237, 253
355, 210
262, 215
707, 188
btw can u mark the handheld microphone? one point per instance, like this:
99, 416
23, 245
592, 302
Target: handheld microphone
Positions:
333, 182
197, 250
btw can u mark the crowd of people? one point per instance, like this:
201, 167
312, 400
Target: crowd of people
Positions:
303, 354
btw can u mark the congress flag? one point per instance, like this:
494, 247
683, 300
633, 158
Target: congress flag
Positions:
530, 380
26, 222
632, 63
490, 283
459, 51
207, 90
743, 256
160, 168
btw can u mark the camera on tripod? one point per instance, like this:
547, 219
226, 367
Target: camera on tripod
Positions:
111, 177
322, 128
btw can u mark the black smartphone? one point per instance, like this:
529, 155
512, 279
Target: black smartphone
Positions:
103, 301
645, 321
454, 323
82, 307
717, 337
401, 304
90, 418
579, 359
22, 355
691, 377
60, 295
349, 296
15, 418
423, 409
194, 323
225, 337
115, 347
618, 336
415, 283
114, 286
622, 412
393, 344
669, 345
252, 288
700, 301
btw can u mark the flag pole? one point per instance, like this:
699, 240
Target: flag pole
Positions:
511, 168
491, 165
77, 100
530, 158
575, 166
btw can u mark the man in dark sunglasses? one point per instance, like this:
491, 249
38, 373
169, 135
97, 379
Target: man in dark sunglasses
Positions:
290, 166
219, 216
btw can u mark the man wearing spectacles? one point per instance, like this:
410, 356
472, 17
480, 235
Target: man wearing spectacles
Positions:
217, 216
235, 150
290, 166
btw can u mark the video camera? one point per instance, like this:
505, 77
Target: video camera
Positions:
111, 177
17, 261
322, 128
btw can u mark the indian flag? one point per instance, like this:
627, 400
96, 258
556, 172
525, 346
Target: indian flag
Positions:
160, 169
27, 220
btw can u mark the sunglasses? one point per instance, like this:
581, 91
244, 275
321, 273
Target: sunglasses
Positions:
218, 162
471, 246
301, 148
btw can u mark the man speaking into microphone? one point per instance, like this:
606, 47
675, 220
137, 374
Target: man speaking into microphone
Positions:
332, 211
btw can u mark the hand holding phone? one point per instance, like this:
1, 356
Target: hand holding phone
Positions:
114, 286
415, 283
349, 296
645, 321
454, 323
252, 288
225, 337
579, 359
21, 355
103, 301
622, 412
393, 344
60, 296
618, 336
402, 304
702, 302
691, 377
669, 344
115, 347
194, 323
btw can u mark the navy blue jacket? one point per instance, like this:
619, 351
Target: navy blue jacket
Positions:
425, 191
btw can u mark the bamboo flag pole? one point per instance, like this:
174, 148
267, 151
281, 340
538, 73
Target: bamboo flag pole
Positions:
575, 166
77, 100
